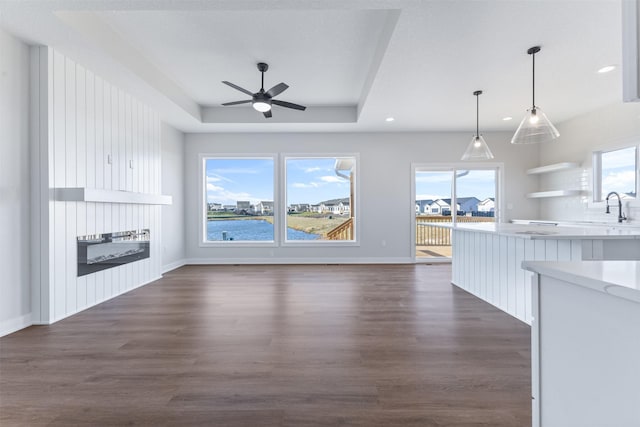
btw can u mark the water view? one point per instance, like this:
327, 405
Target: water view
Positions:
253, 230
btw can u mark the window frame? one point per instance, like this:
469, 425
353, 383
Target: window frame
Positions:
284, 242
202, 212
598, 198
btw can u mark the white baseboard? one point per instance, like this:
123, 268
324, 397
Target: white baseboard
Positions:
226, 261
14, 324
173, 265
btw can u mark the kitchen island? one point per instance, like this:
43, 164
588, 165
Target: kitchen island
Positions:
585, 341
487, 257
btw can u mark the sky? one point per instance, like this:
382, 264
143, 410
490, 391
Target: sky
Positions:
230, 180
314, 180
619, 171
437, 185
308, 180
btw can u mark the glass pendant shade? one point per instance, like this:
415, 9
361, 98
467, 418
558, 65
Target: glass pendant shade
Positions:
477, 149
535, 128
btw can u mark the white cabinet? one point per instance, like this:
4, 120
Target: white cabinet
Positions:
585, 343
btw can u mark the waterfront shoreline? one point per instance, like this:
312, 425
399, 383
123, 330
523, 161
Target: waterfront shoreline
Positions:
311, 225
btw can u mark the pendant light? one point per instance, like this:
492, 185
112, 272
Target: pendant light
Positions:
535, 127
478, 148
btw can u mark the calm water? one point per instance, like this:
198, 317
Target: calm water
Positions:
251, 230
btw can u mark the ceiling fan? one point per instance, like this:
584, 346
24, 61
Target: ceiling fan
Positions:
261, 100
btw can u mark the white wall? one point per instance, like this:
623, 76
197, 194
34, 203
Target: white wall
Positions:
386, 202
173, 185
81, 121
15, 294
611, 127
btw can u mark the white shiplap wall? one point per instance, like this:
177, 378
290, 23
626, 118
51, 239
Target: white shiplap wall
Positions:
489, 266
89, 134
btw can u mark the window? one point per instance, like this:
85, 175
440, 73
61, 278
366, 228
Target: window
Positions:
617, 171
476, 195
320, 198
239, 194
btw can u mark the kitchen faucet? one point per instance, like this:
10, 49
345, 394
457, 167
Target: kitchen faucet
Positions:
621, 216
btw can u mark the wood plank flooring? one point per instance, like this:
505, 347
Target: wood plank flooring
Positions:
323, 345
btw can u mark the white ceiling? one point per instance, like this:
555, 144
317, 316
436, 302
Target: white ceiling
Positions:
352, 62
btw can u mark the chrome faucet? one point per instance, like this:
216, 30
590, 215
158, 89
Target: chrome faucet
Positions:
621, 216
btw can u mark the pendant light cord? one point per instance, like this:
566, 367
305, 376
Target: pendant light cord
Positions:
477, 115
533, 89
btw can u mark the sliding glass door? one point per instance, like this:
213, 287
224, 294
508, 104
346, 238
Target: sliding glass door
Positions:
450, 195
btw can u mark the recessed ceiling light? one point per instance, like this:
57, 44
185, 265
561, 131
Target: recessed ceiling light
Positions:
389, 119
606, 69
506, 119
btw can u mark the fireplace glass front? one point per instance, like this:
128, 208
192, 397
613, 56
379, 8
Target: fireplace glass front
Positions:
101, 251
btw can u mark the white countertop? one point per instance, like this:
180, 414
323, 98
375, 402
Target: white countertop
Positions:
543, 232
618, 278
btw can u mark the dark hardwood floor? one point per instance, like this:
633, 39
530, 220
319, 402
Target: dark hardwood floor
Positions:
295, 346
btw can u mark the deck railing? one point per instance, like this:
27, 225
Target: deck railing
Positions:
343, 231
435, 236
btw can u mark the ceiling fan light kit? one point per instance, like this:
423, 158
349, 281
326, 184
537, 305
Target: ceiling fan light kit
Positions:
478, 148
262, 101
535, 127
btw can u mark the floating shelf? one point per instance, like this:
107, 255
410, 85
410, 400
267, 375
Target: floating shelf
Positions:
553, 168
554, 193
110, 196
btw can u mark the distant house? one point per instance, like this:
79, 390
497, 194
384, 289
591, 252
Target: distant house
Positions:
315, 208
344, 208
440, 207
335, 206
487, 205
422, 206
300, 207
243, 206
468, 204
264, 208
229, 208
214, 207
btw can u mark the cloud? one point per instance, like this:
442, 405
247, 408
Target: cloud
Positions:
313, 169
619, 158
217, 178
331, 179
221, 195
434, 177
621, 182
303, 185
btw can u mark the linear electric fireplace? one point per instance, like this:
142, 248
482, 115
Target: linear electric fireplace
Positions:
101, 251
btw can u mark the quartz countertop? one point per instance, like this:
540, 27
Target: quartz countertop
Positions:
618, 278
543, 232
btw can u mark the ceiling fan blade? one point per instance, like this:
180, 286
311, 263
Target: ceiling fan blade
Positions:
267, 114
277, 89
237, 102
288, 105
241, 89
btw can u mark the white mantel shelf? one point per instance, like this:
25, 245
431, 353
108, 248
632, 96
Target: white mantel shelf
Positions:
99, 195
